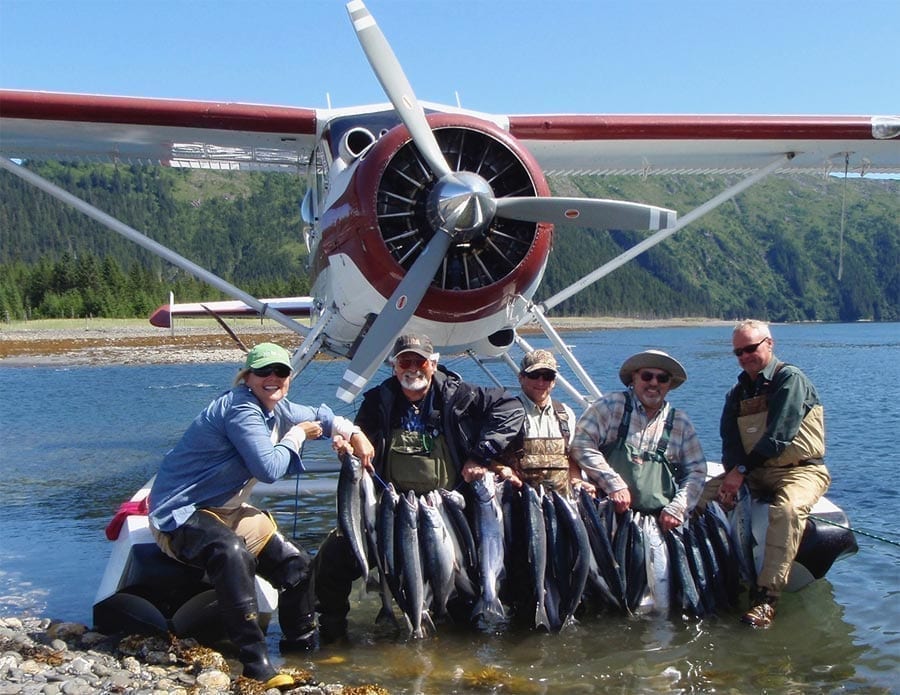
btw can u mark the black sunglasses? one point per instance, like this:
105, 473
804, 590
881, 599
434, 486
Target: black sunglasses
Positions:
748, 349
544, 376
660, 378
280, 370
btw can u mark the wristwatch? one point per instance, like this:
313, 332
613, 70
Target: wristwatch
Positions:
742, 469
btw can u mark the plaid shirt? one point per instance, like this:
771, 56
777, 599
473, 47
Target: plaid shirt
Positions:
598, 428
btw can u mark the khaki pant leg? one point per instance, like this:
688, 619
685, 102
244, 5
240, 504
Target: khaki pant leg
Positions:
254, 526
795, 490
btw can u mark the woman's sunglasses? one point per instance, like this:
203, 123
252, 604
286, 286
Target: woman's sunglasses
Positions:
280, 370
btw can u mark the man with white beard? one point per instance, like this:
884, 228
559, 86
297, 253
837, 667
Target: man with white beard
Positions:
421, 429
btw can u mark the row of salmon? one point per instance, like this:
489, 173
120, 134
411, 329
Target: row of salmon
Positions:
501, 554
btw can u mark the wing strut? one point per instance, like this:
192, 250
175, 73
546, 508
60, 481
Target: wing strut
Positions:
164, 252
840, 272
663, 234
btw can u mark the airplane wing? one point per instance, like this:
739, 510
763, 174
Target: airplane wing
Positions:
168, 132
225, 135
706, 144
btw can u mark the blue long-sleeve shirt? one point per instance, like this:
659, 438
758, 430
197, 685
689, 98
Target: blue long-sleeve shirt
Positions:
227, 445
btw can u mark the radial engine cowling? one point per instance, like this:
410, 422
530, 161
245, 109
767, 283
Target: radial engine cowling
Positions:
482, 272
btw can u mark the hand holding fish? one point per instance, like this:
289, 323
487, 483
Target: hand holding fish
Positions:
667, 522
341, 446
579, 483
507, 473
363, 449
622, 499
472, 471
731, 483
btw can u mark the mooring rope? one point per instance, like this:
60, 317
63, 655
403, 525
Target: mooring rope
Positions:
855, 530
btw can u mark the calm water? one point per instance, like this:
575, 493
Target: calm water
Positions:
77, 441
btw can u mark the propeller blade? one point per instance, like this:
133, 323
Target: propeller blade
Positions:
589, 212
388, 71
390, 322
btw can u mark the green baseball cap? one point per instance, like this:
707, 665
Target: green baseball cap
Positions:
265, 354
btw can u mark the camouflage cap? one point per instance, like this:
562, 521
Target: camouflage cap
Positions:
538, 359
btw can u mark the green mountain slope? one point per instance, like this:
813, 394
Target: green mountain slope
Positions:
776, 252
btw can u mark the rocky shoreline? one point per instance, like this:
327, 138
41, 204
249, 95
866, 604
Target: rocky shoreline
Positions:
125, 342
39, 656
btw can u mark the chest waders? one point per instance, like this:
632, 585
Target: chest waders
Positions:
544, 460
419, 461
648, 474
808, 446
752, 415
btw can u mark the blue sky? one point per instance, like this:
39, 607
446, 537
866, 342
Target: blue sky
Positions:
595, 56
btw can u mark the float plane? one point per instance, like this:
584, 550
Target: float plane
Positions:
425, 217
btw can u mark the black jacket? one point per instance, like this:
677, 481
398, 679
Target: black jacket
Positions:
478, 423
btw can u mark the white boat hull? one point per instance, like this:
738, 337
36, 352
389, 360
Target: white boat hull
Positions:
144, 590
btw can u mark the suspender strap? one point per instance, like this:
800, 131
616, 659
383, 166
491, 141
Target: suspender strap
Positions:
626, 419
667, 433
663, 443
562, 417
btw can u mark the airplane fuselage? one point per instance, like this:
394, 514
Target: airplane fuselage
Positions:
371, 218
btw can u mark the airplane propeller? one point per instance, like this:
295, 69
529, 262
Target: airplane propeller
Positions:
396, 86
460, 205
591, 212
396, 313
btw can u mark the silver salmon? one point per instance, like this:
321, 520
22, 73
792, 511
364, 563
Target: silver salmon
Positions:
349, 510
408, 561
489, 521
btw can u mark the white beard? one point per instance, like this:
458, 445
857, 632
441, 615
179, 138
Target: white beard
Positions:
414, 381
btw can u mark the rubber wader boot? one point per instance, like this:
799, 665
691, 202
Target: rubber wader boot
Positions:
206, 542
286, 567
332, 628
334, 568
762, 609
243, 629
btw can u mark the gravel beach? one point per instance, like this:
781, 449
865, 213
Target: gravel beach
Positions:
44, 657
127, 343
106, 341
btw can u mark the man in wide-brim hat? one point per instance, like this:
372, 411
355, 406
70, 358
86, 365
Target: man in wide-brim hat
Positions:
638, 449
654, 359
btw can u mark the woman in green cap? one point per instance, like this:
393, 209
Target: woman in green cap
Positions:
200, 515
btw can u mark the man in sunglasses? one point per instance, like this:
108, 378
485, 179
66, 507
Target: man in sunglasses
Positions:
540, 454
637, 448
773, 438
422, 429
200, 515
